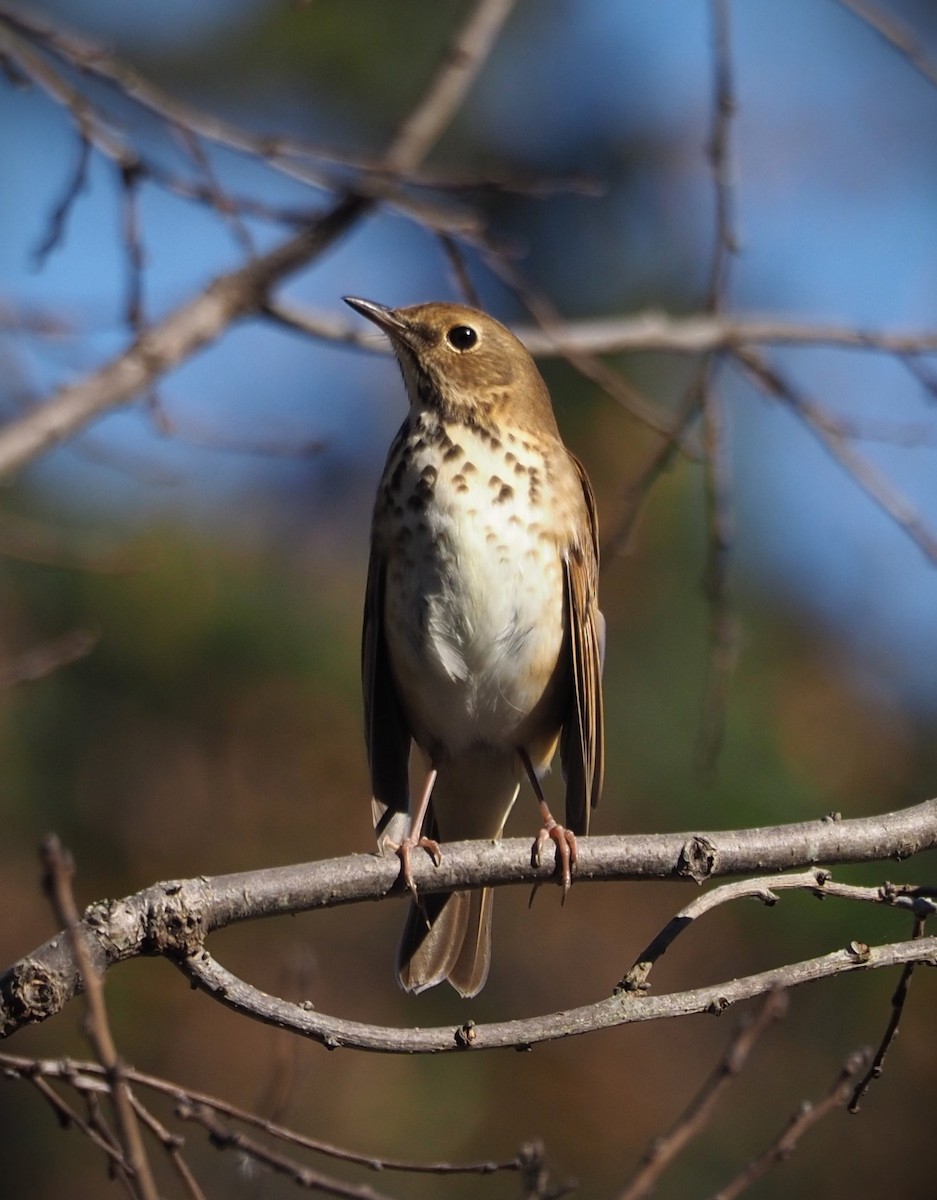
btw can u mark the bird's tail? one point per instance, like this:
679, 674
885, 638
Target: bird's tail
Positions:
447, 936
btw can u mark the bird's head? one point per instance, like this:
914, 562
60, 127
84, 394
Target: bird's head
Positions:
464, 364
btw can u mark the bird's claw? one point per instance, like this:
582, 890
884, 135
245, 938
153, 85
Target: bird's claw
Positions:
566, 850
404, 849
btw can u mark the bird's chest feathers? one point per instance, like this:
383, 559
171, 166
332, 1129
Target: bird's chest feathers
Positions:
475, 575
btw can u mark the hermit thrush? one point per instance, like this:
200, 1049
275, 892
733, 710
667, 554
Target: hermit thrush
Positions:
483, 641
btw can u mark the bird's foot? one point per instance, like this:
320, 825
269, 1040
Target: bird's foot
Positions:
404, 849
566, 850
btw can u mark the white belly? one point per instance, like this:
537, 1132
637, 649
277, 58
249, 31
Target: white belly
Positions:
474, 607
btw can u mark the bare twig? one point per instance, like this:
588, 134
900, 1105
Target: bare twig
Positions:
223, 1137
68, 1116
650, 331
135, 1162
623, 1008
91, 125
141, 468
93, 61
535, 1178
655, 332
239, 292
765, 888
325, 326
897, 1008
459, 268
172, 1144
660, 459
460, 66
725, 240
801, 1122
717, 475
723, 633
212, 189
88, 1077
922, 372
168, 342
895, 34
133, 245
77, 182
292, 156
830, 434
694, 1119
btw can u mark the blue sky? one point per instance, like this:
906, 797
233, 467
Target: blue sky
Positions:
836, 193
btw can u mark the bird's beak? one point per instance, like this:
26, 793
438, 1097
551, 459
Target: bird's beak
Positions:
383, 317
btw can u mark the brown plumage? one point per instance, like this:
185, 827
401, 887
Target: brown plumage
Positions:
483, 641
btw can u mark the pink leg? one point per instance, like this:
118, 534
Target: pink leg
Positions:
415, 839
564, 839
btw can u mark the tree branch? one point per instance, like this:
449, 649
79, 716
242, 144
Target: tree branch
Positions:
246, 290
802, 1120
85, 1076
134, 1163
693, 1120
837, 441
449, 87
895, 34
170, 341
622, 1008
175, 918
223, 1137
717, 472
88, 1081
765, 889
898, 1000
651, 331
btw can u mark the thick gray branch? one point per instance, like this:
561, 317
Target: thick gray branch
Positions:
175, 918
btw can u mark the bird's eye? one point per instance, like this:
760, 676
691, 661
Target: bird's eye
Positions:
462, 338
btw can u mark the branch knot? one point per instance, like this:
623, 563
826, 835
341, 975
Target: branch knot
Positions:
174, 921
698, 858
30, 993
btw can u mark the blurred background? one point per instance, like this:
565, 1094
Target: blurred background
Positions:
210, 544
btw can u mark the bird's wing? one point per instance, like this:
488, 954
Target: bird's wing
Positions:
582, 747
385, 727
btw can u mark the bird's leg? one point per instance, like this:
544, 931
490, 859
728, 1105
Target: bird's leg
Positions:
564, 839
415, 838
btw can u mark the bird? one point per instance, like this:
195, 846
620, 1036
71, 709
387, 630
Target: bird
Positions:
483, 643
